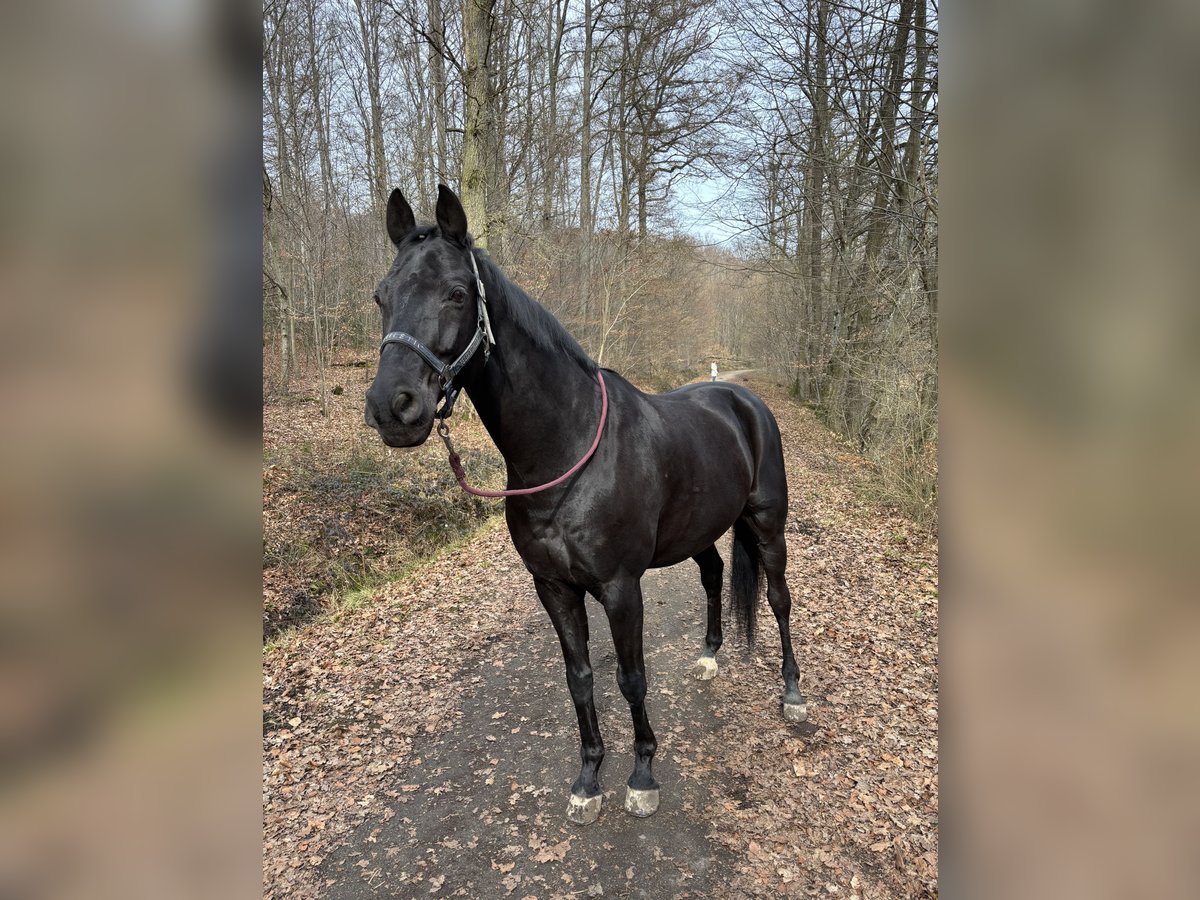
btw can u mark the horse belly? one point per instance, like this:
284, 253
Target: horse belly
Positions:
695, 518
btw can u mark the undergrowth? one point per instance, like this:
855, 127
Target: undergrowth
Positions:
343, 514
904, 473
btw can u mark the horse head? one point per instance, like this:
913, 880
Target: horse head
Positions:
434, 320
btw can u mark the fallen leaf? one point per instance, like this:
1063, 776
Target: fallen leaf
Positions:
554, 853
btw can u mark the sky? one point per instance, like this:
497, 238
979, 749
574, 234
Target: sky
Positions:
707, 209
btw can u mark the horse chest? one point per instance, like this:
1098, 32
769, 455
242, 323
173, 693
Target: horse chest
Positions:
553, 548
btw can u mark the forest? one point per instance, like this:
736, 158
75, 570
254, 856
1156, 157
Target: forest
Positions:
678, 181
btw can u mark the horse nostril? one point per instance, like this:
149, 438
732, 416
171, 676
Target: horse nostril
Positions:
404, 405
369, 416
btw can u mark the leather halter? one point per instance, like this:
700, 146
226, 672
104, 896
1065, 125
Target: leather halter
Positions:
447, 372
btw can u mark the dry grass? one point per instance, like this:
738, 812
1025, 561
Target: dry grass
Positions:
341, 511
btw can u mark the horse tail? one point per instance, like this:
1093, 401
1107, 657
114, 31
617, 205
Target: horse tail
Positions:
745, 579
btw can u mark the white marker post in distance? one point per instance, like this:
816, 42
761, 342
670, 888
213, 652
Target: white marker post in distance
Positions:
714, 371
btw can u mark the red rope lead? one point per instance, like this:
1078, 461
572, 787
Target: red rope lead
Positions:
461, 475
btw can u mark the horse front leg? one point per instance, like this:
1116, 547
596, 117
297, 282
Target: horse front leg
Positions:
623, 602
564, 603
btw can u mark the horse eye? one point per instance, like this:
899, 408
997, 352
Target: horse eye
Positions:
458, 295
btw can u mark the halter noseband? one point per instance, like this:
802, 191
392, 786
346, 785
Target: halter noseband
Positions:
447, 372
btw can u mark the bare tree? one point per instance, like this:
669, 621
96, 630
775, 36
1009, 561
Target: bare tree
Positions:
569, 126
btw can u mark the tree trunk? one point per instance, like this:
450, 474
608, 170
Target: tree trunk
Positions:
285, 345
318, 342
369, 26
479, 127
586, 222
437, 79
642, 213
623, 90
815, 205
906, 189
881, 209
320, 111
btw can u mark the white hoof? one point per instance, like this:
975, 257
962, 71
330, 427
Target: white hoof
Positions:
705, 669
641, 803
584, 810
795, 712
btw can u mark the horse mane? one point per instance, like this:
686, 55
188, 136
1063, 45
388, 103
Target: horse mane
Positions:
508, 300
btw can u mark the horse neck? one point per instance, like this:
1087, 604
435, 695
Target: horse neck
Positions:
539, 405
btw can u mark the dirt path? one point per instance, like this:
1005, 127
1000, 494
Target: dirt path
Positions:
488, 813
425, 745
739, 375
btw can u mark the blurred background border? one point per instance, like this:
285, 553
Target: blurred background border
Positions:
130, 238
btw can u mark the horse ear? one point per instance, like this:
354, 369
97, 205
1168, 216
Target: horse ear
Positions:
451, 217
400, 218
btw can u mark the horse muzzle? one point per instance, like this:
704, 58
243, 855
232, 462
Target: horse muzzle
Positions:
402, 417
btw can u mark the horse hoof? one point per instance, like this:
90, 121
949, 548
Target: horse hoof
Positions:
641, 803
584, 810
795, 712
705, 669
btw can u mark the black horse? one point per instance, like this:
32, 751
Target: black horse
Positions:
670, 475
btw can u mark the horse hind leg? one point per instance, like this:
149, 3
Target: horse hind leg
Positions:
712, 570
774, 560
